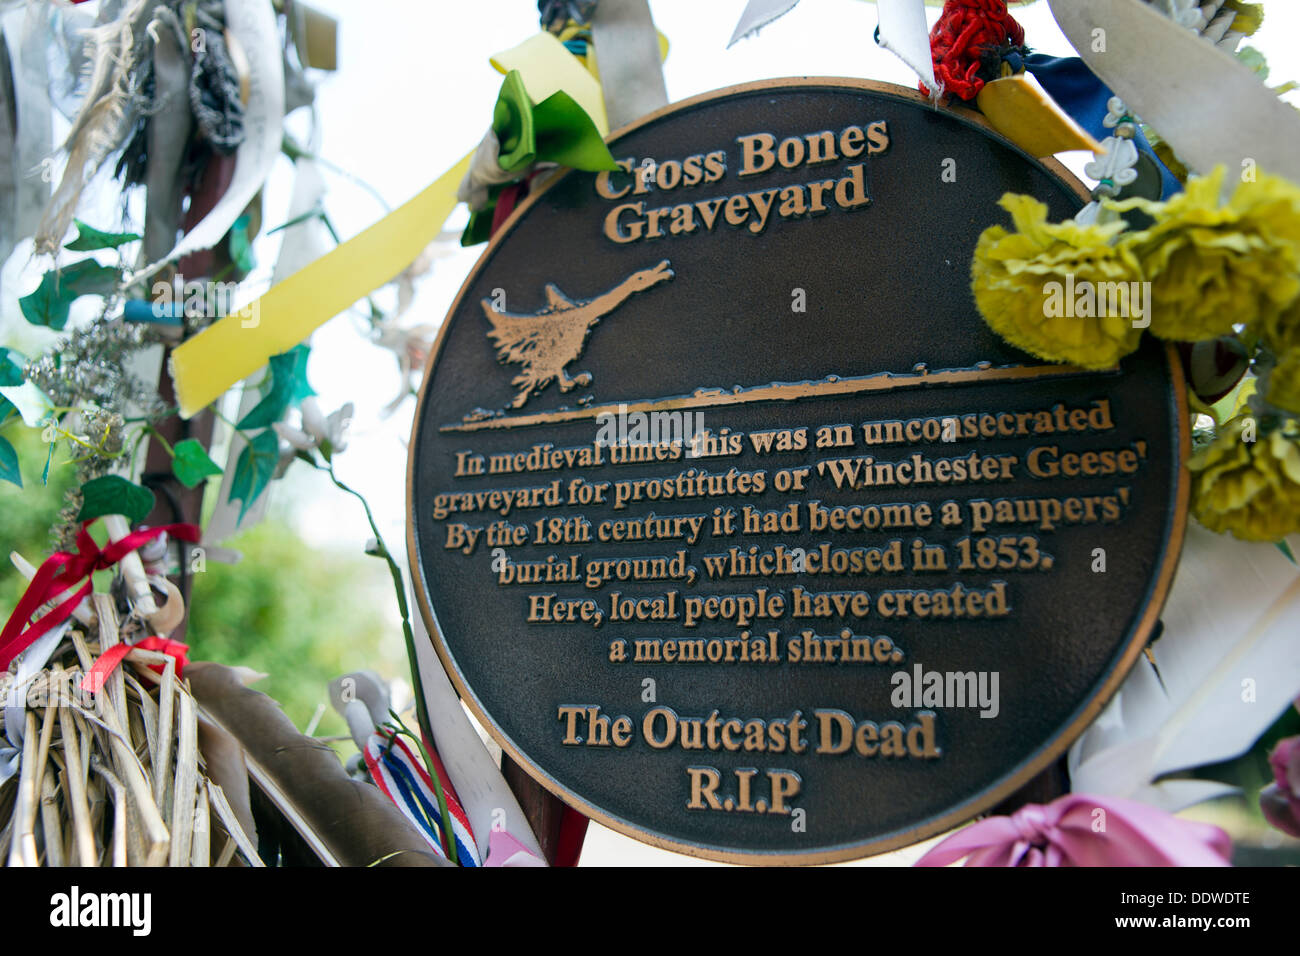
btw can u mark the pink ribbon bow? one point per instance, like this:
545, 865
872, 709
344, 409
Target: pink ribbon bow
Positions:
1082, 830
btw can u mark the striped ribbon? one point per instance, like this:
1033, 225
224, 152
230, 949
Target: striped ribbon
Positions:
404, 780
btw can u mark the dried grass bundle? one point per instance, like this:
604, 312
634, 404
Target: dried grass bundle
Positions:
118, 778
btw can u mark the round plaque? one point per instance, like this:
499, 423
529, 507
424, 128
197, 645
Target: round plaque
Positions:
733, 522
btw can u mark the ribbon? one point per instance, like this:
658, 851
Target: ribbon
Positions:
108, 661
15, 698
1181, 85
625, 46
505, 850
904, 32
1082, 830
1078, 91
236, 346
252, 24
60, 573
547, 67
525, 133
1023, 112
406, 782
488, 800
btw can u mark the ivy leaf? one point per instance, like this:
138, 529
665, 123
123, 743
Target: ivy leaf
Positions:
254, 469
45, 474
114, 495
89, 238
288, 387
191, 464
298, 374
9, 464
49, 304
241, 249
11, 368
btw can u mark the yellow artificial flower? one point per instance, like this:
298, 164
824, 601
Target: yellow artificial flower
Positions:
1250, 488
1019, 280
1284, 381
1214, 264
1281, 332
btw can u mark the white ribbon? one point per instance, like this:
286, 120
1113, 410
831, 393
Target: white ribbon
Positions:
904, 32
29, 176
252, 24
1205, 103
483, 791
15, 700
758, 14
627, 56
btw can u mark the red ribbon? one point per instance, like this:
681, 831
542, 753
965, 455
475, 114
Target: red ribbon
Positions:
111, 658
61, 572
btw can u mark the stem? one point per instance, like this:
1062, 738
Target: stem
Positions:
294, 151
233, 427
449, 840
420, 710
171, 452
167, 413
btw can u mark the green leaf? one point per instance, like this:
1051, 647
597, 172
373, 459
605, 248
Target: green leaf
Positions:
9, 463
11, 367
288, 387
49, 304
191, 464
89, 238
114, 495
45, 474
254, 469
241, 249
6, 407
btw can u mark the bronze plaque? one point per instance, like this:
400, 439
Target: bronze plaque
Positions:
733, 522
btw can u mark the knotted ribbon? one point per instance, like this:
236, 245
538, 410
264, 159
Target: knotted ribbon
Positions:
1082, 830
405, 781
555, 130
111, 658
61, 572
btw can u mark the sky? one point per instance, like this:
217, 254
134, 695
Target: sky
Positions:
414, 92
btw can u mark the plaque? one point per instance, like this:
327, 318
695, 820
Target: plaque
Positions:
733, 522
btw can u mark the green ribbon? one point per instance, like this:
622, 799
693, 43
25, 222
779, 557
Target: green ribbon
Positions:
556, 130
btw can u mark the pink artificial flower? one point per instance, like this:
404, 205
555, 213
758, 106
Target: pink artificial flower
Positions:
1280, 800
1082, 830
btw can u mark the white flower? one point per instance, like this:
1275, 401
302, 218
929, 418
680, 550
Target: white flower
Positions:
317, 428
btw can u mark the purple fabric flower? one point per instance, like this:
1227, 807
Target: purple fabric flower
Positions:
1280, 800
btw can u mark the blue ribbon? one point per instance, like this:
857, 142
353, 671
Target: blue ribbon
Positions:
1080, 93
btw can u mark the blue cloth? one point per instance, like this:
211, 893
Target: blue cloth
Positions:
1080, 93
163, 313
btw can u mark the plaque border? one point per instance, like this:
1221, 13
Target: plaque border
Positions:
986, 799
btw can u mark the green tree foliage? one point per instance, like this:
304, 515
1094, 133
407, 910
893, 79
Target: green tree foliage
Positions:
27, 513
298, 614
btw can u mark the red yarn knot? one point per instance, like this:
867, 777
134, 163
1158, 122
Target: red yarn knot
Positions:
965, 31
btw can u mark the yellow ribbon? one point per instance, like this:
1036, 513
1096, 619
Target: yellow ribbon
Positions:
547, 67
236, 346
1022, 111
